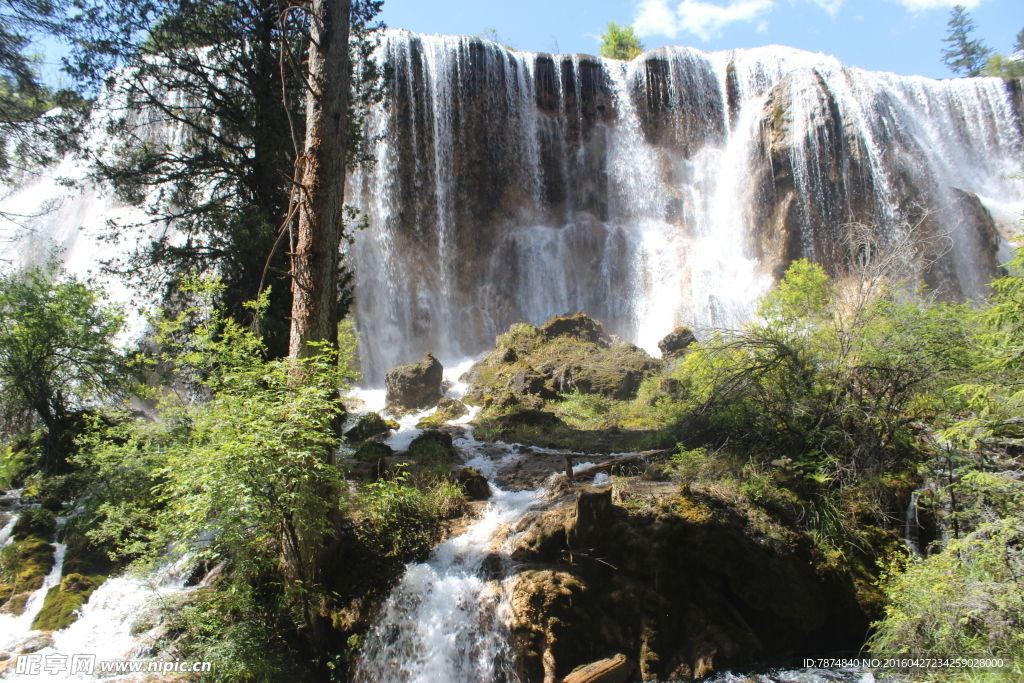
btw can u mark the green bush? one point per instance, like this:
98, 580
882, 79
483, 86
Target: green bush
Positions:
398, 520
246, 474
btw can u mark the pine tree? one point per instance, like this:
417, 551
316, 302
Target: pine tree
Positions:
27, 138
231, 78
964, 57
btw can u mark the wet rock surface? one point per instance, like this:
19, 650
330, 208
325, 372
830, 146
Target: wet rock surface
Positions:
414, 386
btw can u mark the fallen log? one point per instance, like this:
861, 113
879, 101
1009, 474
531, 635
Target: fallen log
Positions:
628, 460
613, 670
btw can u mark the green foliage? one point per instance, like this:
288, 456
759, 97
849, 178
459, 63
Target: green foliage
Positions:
964, 57
967, 599
28, 138
398, 520
238, 630
245, 474
686, 465
57, 355
1001, 65
620, 42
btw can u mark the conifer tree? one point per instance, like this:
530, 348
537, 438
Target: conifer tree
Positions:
964, 57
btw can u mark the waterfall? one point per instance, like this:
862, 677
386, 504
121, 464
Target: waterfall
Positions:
673, 189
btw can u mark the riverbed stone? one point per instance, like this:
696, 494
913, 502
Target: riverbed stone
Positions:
415, 386
368, 426
474, 484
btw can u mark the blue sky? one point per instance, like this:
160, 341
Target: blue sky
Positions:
903, 36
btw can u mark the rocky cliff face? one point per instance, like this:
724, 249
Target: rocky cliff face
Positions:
673, 189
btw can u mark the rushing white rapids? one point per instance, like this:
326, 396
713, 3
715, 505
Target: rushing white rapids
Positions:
444, 619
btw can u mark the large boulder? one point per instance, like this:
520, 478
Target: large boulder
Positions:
474, 484
579, 326
565, 354
432, 446
703, 584
415, 386
369, 425
676, 343
615, 372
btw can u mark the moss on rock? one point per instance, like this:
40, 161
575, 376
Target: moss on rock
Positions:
564, 355
35, 522
368, 426
62, 601
432, 446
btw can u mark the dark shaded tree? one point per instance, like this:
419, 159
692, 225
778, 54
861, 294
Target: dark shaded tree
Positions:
28, 138
57, 356
207, 110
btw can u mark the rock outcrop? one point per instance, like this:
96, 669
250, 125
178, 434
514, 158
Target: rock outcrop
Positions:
368, 426
676, 343
415, 386
697, 584
474, 484
565, 354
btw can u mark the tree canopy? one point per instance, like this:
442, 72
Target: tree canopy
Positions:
964, 56
620, 42
206, 110
57, 355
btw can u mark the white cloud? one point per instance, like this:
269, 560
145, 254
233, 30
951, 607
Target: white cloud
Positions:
830, 6
919, 5
762, 27
703, 19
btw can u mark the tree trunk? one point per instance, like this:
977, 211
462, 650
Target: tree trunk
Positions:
321, 212
315, 265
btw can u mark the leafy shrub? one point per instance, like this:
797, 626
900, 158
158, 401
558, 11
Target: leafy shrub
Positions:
398, 520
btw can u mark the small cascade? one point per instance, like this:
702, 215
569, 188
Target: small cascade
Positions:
912, 528
15, 629
444, 621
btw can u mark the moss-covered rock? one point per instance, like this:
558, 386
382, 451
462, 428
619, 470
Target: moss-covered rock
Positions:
474, 484
35, 522
62, 601
373, 451
447, 409
693, 585
579, 326
676, 343
432, 446
415, 386
23, 568
564, 355
368, 426
615, 372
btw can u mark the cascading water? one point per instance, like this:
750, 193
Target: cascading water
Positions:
443, 621
671, 189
